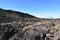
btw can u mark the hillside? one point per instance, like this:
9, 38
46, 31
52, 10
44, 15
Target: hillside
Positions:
11, 15
15, 14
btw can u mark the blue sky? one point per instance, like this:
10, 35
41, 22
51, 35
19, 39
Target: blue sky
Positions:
39, 8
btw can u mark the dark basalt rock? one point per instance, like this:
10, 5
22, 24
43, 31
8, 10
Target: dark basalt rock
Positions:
14, 32
7, 31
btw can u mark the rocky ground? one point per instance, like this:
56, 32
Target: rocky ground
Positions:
29, 31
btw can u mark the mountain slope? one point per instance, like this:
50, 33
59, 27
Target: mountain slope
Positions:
10, 16
16, 14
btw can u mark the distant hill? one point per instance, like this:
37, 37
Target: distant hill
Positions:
14, 14
11, 15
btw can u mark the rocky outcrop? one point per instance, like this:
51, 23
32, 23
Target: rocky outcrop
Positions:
36, 31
